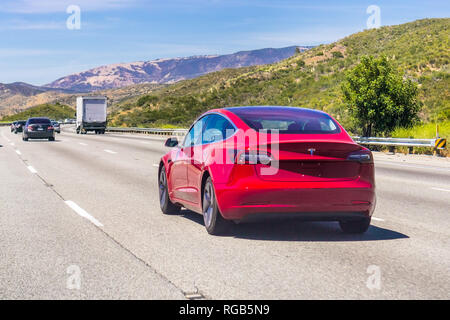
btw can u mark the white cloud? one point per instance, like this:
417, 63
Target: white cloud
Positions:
52, 6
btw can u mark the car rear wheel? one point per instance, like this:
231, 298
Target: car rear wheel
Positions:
357, 226
51, 139
215, 224
167, 207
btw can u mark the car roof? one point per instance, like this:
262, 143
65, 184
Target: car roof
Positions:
271, 109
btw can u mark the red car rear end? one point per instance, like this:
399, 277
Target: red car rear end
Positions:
279, 161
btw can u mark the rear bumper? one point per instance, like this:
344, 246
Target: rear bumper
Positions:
39, 134
311, 201
94, 126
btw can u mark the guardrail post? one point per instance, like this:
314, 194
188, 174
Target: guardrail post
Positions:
437, 152
410, 150
392, 149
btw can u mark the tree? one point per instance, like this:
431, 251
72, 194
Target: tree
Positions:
337, 54
379, 98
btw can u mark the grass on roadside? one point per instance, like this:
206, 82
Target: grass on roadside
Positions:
425, 131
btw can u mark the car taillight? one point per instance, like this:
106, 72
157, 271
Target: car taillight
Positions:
254, 157
50, 128
30, 128
362, 156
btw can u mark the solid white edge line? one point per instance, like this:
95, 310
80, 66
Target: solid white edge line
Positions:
83, 144
377, 219
81, 212
109, 151
440, 189
32, 170
18, 152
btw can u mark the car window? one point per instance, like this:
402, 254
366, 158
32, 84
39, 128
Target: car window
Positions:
193, 137
290, 121
39, 120
217, 128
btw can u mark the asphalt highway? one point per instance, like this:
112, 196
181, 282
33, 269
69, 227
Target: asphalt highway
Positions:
80, 219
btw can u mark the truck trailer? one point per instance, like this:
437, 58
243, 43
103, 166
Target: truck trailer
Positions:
91, 114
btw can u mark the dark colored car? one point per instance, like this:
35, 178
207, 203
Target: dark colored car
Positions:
56, 126
244, 162
19, 126
38, 128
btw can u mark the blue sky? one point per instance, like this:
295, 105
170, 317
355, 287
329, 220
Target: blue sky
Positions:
37, 47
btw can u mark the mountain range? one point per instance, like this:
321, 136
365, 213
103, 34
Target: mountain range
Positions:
167, 70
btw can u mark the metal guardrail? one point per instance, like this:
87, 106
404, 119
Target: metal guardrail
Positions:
436, 144
403, 142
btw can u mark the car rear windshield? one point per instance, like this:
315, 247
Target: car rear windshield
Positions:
21, 122
287, 120
39, 120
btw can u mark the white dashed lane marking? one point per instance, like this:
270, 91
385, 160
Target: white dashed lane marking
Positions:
18, 152
32, 170
109, 151
440, 189
81, 212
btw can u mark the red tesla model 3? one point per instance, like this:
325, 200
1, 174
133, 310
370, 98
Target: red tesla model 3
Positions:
239, 163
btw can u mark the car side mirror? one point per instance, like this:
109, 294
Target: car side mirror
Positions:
171, 142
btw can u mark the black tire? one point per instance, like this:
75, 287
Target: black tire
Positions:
215, 224
355, 226
78, 130
167, 207
51, 139
25, 139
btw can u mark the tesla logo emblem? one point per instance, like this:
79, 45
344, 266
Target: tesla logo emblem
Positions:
311, 151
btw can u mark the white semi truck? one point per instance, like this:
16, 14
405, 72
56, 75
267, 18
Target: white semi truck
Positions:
91, 114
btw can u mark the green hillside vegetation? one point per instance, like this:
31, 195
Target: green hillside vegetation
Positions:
53, 111
311, 79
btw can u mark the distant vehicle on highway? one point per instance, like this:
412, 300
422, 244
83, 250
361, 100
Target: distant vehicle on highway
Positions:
302, 163
13, 126
18, 127
38, 128
91, 114
56, 126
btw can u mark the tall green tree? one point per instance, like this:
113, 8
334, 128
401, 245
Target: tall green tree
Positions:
379, 98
